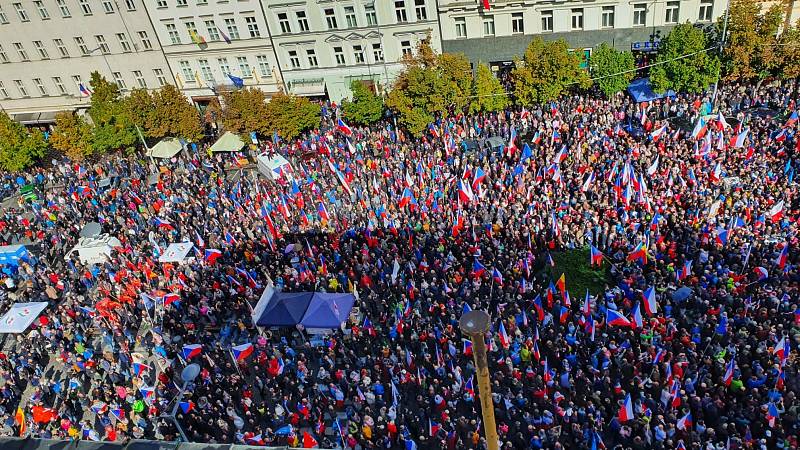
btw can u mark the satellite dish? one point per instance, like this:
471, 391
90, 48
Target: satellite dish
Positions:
190, 372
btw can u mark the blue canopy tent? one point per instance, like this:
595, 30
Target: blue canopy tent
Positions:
327, 310
285, 309
311, 309
642, 91
11, 254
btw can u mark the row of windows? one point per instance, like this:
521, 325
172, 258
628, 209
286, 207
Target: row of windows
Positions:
351, 19
608, 18
41, 7
213, 32
63, 51
56, 85
361, 53
242, 63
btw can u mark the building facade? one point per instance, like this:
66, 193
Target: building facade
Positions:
323, 45
210, 44
496, 35
48, 48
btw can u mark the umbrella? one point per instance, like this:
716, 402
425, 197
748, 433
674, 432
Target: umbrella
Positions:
682, 294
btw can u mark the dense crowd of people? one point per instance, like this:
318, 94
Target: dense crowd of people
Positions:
691, 218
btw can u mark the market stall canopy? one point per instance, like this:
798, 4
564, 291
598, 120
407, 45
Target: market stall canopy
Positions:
642, 91
272, 166
11, 254
176, 252
228, 142
310, 309
166, 148
20, 317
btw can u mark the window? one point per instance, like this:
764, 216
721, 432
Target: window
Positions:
161, 3
62, 6
59, 85
244, 67
233, 30
338, 53
162, 80
85, 7
23, 55
3, 55
205, 70
607, 20
263, 66
137, 74
101, 42
461, 27
400, 11
672, 12
40, 86
108, 7
377, 52
146, 45
123, 42
252, 27
577, 19
517, 23
3, 17
23, 15
202, 2
706, 10
223, 66
172, 30
21, 88
212, 30
283, 21
358, 54
547, 20
330, 18
62, 49
639, 14
82, 46
41, 50
294, 60
186, 71
76, 79
420, 10
405, 48
372, 16
488, 26
42, 10
302, 20
312, 57
350, 17
131, 5
119, 80
3, 91
182, 2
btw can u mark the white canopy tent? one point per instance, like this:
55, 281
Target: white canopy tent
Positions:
95, 250
21, 316
176, 252
228, 142
271, 167
166, 148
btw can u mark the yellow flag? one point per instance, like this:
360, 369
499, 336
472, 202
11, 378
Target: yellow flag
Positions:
19, 417
179, 81
198, 79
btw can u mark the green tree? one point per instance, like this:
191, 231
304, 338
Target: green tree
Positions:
546, 71
456, 74
743, 40
366, 108
19, 147
113, 128
72, 136
489, 94
790, 52
289, 115
607, 67
177, 117
696, 69
243, 111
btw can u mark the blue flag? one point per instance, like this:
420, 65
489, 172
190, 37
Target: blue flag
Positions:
238, 82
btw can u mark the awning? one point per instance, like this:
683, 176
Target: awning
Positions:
36, 117
228, 142
308, 89
166, 148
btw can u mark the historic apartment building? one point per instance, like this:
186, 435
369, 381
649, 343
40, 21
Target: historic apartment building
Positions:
48, 48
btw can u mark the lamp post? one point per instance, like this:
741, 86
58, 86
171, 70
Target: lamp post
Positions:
475, 324
188, 375
380, 39
103, 54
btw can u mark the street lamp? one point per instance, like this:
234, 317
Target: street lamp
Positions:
475, 324
103, 54
380, 39
188, 375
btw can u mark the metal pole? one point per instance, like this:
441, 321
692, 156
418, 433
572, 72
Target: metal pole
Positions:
721, 46
175, 411
383, 50
475, 324
147, 149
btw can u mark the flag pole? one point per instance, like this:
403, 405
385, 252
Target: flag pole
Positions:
235, 363
475, 324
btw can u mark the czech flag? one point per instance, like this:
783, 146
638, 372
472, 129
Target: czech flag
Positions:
587, 185
171, 298
639, 254
782, 349
497, 276
241, 352
186, 406
741, 138
685, 422
699, 128
192, 350
761, 273
595, 256
230, 239
467, 347
637, 316
655, 135
564, 315
504, 340
781, 261
341, 126
626, 410
537, 303
86, 92
650, 305
776, 212
211, 255
465, 192
161, 223
729, 372
469, 387
480, 175
138, 368
407, 198
478, 269
615, 318
722, 237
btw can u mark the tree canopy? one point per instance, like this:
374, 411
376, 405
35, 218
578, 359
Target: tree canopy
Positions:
365, 108
289, 115
72, 136
547, 70
488, 93
607, 65
164, 113
19, 147
113, 127
684, 64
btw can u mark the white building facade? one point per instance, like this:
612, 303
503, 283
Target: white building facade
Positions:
211, 43
323, 45
48, 48
496, 35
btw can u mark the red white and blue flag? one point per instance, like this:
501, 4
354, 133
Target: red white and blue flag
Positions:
615, 318
192, 350
626, 410
241, 352
343, 127
650, 305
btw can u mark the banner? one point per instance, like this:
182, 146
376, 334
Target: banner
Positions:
176, 252
20, 317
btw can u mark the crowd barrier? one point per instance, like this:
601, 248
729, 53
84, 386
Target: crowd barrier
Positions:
9, 443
